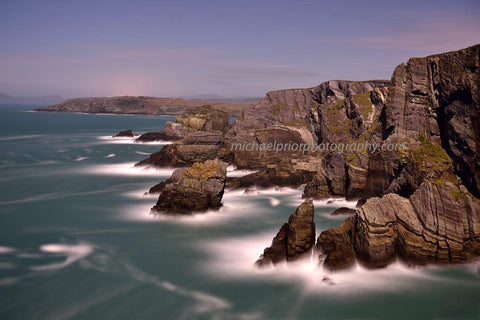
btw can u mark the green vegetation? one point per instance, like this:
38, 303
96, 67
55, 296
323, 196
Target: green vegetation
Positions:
457, 194
278, 108
363, 101
339, 124
431, 158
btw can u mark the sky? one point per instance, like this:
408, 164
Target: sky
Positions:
231, 48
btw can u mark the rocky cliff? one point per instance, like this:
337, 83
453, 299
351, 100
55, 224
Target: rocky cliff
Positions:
438, 97
423, 205
420, 202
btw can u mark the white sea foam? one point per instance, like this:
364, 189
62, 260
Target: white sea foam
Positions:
81, 158
57, 195
203, 302
237, 204
72, 253
233, 258
143, 153
20, 137
131, 140
232, 171
111, 155
128, 169
5, 250
103, 260
336, 202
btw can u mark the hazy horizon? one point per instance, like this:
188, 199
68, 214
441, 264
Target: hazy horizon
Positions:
181, 49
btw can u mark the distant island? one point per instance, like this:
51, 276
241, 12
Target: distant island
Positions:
42, 100
144, 105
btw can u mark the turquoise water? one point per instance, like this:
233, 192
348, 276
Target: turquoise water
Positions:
77, 241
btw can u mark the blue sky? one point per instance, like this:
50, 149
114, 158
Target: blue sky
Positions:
181, 48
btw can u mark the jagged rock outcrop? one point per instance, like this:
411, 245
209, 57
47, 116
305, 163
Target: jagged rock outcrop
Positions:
294, 239
195, 189
124, 133
438, 224
205, 118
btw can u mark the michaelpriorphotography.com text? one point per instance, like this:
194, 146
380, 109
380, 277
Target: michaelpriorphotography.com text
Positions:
356, 147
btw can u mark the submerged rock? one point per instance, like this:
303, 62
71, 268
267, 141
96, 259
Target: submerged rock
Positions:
294, 239
195, 189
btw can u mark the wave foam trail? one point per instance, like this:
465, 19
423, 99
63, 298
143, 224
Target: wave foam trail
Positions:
5, 250
72, 253
130, 140
111, 155
336, 202
234, 258
128, 169
204, 303
232, 171
237, 204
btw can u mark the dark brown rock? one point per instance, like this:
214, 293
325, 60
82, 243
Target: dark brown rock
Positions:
195, 189
124, 133
336, 246
294, 239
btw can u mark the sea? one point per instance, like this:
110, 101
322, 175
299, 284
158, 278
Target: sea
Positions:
77, 240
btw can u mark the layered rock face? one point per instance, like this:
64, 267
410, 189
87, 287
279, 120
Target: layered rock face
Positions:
193, 189
439, 224
286, 106
294, 239
202, 119
439, 97
307, 116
